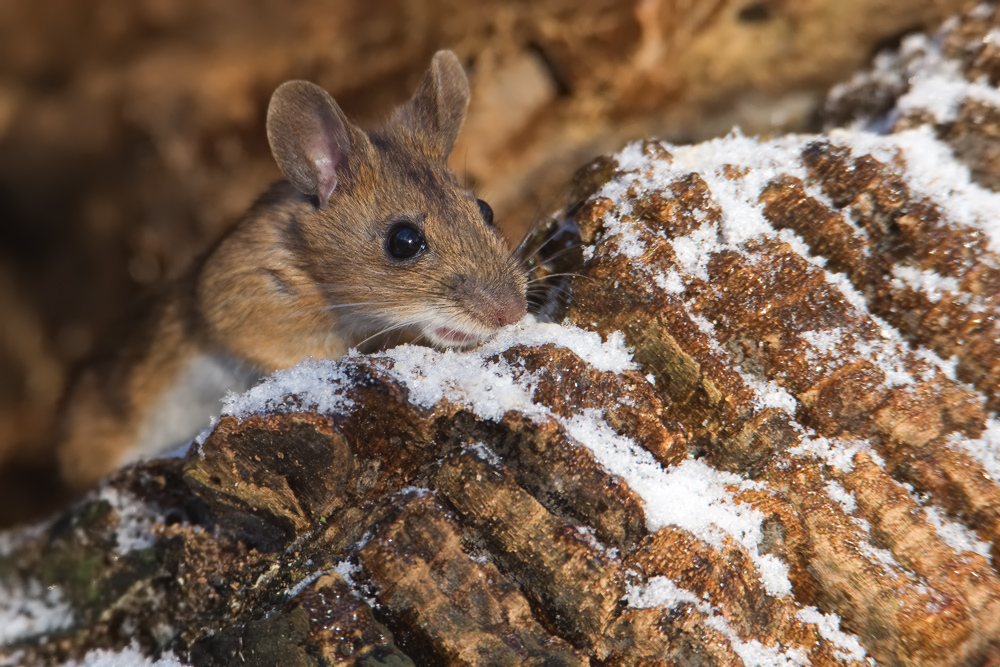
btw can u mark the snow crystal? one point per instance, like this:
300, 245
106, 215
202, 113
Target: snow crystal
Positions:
828, 625
28, 609
662, 592
954, 534
937, 84
930, 283
836, 453
484, 453
708, 329
316, 384
135, 520
932, 172
612, 356
304, 583
348, 571
755, 654
875, 554
843, 497
13, 539
488, 388
825, 341
659, 592
769, 394
127, 657
670, 282
984, 449
691, 495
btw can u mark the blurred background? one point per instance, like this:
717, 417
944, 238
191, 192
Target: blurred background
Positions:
132, 131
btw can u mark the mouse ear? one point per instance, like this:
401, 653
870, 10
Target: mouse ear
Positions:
437, 109
309, 137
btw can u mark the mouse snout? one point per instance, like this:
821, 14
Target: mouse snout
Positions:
506, 310
494, 305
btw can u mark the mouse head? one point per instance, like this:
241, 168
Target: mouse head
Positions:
386, 230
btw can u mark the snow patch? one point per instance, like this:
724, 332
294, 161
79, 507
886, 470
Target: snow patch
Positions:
843, 497
136, 520
126, 657
828, 625
316, 384
691, 495
27, 609
664, 593
984, 449
612, 356
954, 534
489, 388
834, 452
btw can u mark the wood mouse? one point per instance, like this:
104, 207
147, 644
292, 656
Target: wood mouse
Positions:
369, 235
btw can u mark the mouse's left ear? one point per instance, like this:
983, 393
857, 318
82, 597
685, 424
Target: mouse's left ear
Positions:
309, 137
437, 109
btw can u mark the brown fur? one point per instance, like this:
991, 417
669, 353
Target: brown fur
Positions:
278, 287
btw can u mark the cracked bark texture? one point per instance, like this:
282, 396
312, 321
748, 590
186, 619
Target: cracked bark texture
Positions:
812, 327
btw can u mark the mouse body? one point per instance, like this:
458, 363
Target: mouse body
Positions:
369, 239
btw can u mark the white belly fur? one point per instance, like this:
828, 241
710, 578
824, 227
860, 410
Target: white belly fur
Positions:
189, 404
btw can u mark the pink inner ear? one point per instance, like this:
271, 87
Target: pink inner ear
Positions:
325, 154
326, 179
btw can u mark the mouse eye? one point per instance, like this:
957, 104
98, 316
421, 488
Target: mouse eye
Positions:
405, 241
487, 212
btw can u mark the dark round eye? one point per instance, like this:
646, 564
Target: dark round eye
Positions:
405, 241
487, 212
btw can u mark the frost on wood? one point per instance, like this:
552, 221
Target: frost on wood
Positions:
764, 434
948, 81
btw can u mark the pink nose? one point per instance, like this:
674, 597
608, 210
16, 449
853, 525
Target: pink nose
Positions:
506, 311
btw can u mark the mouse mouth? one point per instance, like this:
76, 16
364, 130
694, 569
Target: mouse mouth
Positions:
454, 336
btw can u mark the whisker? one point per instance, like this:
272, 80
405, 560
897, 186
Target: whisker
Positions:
563, 252
335, 306
541, 279
386, 330
554, 257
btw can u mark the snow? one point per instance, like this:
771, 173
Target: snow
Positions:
305, 583
612, 356
664, 593
316, 384
741, 219
985, 449
954, 534
135, 520
843, 497
936, 83
127, 657
691, 495
926, 80
834, 452
13, 539
669, 282
828, 625
489, 388
27, 608
932, 172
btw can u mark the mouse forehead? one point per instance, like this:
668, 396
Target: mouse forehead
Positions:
419, 184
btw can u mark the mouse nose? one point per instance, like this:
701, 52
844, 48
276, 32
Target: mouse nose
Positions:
507, 310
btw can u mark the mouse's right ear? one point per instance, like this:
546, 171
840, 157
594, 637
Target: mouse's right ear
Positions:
309, 137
